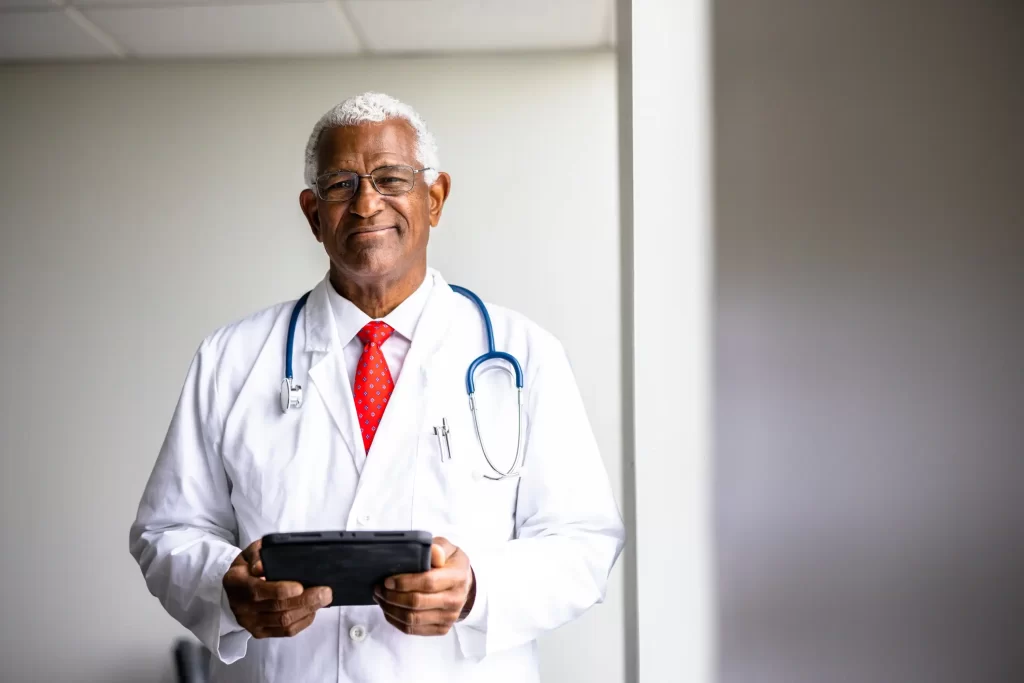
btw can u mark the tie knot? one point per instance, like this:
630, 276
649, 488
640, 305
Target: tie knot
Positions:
375, 331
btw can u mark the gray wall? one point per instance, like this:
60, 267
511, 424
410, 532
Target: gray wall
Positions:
143, 205
870, 336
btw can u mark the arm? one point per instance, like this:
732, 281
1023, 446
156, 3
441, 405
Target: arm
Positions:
184, 536
568, 529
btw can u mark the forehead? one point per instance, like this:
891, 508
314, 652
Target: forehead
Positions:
392, 140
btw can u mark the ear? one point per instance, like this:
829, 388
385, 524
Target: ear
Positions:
438, 194
310, 208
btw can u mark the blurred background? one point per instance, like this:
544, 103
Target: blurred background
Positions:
869, 374
820, 454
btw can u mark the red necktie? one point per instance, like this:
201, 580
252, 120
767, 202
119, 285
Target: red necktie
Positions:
373, 385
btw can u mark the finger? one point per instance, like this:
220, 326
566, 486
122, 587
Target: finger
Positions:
284, 619
433, 581
237, 581
260, 589
426, 630
290, 630
446, 600
421, 618
311, 598
252, 550
404, 628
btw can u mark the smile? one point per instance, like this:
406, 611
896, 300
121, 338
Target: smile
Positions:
373, 231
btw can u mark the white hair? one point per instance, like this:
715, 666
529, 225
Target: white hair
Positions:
373, 107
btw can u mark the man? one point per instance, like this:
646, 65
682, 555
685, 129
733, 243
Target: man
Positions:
513, 557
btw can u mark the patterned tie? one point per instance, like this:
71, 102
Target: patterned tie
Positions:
373, 385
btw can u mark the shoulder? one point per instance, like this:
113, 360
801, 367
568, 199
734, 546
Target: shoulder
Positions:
515, 333
519, 325
245, 337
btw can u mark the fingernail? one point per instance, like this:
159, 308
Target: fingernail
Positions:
389, 584
326, 596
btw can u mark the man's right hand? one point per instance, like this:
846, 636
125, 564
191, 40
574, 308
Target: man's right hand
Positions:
269, 609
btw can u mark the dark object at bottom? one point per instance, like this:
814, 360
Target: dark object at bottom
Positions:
191, 661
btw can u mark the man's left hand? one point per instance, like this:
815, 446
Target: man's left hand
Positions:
428, 604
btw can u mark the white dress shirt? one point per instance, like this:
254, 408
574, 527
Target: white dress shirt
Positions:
349, 320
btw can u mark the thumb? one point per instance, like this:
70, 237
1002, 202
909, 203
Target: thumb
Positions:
443, 549
253, 555
437, 556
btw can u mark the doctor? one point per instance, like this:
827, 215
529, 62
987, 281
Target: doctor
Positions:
513, 557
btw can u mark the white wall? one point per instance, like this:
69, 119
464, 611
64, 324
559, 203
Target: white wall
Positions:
144, 205
870, 385
665, 108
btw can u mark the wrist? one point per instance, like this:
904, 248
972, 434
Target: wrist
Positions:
467, 607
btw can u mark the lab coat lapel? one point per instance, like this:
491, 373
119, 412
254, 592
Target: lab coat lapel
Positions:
393, 451
328, 372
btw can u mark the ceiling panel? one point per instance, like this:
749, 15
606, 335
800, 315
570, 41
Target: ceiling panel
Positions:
295, 28
45, 35
132, 4
458, 25
15, 4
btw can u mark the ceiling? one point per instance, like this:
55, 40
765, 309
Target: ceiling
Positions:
59, 30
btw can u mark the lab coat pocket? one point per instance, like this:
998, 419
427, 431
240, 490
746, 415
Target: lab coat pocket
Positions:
454, 498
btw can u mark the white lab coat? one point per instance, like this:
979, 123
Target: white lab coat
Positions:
233, 467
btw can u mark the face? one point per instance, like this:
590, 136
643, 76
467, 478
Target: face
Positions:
372, 238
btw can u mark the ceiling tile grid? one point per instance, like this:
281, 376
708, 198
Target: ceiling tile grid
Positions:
296, 28
69, 30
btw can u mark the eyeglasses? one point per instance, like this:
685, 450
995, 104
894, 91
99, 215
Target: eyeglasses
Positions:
341, 186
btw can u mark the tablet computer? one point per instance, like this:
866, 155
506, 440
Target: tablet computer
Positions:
351, 563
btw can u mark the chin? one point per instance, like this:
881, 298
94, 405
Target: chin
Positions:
372, 264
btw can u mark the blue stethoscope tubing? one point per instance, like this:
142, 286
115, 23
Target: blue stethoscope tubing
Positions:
291, 393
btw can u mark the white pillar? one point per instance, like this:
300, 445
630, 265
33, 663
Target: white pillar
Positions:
665, 111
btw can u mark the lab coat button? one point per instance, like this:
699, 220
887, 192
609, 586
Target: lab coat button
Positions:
357, 633
363, 519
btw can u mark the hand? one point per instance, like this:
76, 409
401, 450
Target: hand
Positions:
269, 609
428, 604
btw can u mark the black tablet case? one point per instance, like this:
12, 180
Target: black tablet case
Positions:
352, 563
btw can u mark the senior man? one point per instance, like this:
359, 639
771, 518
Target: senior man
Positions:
513, 557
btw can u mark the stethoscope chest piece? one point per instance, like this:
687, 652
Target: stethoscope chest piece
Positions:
291, 394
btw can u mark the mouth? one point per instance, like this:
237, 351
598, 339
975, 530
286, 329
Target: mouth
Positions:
371, 231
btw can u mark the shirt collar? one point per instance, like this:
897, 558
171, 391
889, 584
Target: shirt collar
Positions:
403, 319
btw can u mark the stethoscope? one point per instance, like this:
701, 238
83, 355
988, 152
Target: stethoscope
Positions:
291, 393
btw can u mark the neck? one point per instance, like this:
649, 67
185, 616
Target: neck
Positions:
377, 297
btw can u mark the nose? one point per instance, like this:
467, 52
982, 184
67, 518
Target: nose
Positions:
367, 201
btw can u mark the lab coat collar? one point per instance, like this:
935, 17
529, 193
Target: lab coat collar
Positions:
433, 325
320, 329
403, 320
323, 323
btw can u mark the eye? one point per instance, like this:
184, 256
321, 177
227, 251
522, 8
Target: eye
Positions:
339, 185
